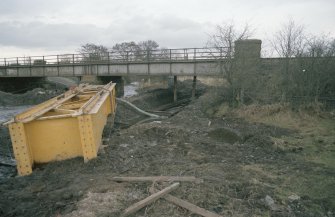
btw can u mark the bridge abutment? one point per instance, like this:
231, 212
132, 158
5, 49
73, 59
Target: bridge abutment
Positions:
247, 60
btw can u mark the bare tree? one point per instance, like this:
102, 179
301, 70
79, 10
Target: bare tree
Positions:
316, 79
125, 50
146, 49
289, 41
320, 46
93, 52
148, 45
307, 66
221, 44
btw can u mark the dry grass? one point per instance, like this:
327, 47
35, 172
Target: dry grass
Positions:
313, 143
280, 115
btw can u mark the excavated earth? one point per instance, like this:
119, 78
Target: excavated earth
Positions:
237, 160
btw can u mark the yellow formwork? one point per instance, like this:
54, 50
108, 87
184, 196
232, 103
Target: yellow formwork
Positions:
64, 127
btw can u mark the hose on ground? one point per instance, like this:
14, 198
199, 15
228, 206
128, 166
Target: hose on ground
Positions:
119, 100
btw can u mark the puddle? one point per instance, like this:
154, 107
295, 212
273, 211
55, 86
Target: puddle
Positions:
225, 135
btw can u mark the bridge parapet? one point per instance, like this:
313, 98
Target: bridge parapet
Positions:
117, 57
184, 61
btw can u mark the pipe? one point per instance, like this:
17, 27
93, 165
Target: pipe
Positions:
138, 109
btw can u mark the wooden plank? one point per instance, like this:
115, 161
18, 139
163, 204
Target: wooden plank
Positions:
189, 206
139, 205
158, 179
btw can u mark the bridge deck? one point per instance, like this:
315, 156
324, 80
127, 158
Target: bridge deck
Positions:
186, 61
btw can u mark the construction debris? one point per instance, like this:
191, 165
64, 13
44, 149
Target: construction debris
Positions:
158, 179
139, 205
187, 205
165, 194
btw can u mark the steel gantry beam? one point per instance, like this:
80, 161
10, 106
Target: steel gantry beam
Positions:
64, 127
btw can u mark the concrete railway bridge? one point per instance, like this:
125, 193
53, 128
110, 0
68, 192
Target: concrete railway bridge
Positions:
114, 65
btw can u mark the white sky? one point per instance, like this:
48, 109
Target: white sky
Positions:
40, 27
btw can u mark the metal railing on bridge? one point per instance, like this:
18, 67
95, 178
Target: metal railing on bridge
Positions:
121, 57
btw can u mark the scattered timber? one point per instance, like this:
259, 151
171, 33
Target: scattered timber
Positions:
187, 205
152, 198
158, 179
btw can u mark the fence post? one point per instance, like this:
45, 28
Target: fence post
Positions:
72, 64
58, 65
195, 64
108, 65
43, 66
221, 59
30, 68
5, 66
17, 66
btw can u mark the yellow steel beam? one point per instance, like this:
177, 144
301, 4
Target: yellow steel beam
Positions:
54, 139
42, 108
22, 150
49, 132
87, 137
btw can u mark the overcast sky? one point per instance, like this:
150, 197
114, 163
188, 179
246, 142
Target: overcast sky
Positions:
40, 27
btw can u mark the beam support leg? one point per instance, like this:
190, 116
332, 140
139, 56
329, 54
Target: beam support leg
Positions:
22, 152
175, 88
194, 84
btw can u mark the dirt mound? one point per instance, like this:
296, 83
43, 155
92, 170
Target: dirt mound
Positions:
32, 97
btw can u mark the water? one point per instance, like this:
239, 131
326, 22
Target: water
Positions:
7, 112
130, 89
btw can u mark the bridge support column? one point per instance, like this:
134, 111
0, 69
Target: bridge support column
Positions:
175, 88
194, 86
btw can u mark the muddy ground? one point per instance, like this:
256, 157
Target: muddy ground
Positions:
245, 172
